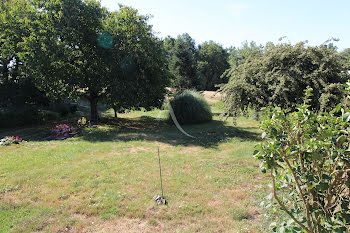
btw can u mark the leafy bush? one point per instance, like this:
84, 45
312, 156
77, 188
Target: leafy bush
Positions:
49, 115
62, 108
25, 115
278, 75
308, 158
73, 108
190, 108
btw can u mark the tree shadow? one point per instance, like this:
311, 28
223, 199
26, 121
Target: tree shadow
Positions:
147, 128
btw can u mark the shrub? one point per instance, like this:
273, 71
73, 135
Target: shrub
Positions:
308, 158
190, 108
20, 116
49, 115
73, 108
62, 108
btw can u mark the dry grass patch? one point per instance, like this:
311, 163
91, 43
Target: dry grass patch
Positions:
105, 180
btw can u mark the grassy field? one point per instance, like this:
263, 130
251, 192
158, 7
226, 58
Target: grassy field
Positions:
105, 180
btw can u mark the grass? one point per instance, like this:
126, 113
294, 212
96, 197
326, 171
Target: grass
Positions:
105, 180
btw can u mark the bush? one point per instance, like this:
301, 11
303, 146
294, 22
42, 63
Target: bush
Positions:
73, 108
190, 108
308, 159
13, 117
49, 115
62, 108
278, 75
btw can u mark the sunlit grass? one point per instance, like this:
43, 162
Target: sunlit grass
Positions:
105, 180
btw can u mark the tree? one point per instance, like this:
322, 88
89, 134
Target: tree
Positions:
77, 48
279, 75
62, 52
239, 55
346, 54
211, 64
16, 87
140, 76
182, 58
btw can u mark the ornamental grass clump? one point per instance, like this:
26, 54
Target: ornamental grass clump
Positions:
190, 107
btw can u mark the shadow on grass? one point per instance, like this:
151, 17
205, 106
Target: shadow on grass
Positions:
147, 128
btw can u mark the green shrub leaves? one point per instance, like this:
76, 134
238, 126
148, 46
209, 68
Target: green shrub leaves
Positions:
307, 156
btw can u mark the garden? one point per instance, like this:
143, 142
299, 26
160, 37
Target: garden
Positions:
104, 178
106, 127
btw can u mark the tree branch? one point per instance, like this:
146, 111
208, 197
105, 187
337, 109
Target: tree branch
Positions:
283, 206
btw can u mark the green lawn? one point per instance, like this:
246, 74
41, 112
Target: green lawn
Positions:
105, 180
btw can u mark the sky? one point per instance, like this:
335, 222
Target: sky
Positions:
229, 23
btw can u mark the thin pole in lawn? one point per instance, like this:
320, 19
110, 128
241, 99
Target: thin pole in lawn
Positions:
160, 174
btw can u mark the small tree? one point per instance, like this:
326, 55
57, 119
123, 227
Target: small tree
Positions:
308, 158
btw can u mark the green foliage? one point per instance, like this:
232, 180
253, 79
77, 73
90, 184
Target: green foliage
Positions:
278, 76
182, 59
17, 88
346, 54
307, 156
78, 48
19, 116
190, 108
211, 64
140, 76
239, 55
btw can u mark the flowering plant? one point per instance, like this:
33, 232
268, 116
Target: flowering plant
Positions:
63, 130
82, 122
8, 140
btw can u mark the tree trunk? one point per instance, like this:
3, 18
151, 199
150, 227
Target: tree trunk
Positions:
5, 71
116, 109
93, 99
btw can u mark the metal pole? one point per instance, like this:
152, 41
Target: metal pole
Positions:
160, 173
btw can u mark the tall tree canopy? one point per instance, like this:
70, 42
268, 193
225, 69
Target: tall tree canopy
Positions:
17, 88
240, 54
279, 76
346, 54
79, 48
142, 74
212, 63
182, 58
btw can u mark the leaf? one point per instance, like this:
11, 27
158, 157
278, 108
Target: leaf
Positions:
341, 140
337, 108
346, 117
323, 186
326, 177
346, 218
273, 132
